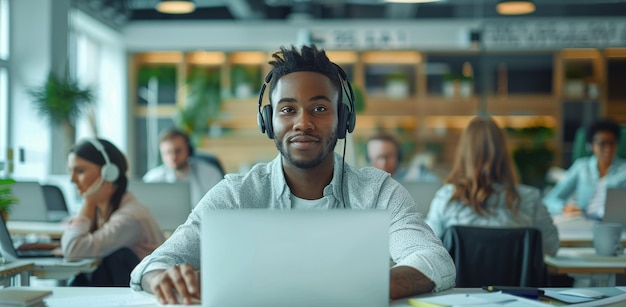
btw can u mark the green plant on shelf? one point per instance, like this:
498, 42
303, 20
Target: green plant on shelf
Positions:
203, 104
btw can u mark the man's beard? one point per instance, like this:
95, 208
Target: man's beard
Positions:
331, 143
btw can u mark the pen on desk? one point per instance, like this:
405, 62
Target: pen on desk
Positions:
529, 292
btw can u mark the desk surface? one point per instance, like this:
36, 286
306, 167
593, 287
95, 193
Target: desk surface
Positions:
108, 296
582, 260
12, 268
577, 231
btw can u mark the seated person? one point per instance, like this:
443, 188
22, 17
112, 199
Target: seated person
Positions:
111, 224
481, 189
384, 152
582, 190
179, 164
305, 118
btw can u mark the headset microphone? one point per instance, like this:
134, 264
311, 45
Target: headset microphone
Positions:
93, 188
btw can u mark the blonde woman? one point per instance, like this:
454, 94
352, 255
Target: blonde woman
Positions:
482, 189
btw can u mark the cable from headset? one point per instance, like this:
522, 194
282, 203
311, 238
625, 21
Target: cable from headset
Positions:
343, 170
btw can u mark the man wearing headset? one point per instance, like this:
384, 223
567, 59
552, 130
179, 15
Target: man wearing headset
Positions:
179, 164
383, 152
305, 118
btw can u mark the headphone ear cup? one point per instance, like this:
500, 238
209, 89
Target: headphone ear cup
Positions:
342, 125
266, 120
109, 172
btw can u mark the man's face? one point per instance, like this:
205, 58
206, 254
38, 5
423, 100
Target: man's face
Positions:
175, 152
383, 155
305, 118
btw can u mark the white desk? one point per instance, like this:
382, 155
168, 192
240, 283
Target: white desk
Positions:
109, 297
60, 270
577, 231
15, 271
582, 264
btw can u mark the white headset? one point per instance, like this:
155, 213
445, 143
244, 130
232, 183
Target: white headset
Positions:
109, 171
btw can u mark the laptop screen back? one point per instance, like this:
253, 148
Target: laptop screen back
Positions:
422, 192
615, 206
169, 203
260, 257
32, 205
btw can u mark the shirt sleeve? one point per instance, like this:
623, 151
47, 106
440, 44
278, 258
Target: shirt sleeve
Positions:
183, 246
121, 230
435, 218
563, 190
413, 243
543, 221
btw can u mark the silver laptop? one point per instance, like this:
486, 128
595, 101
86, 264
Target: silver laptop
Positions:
422, 193
615, 206
259, 257
10, 253
169, 203
32, 205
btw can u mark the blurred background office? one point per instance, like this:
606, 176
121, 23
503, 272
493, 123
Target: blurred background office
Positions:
421, 70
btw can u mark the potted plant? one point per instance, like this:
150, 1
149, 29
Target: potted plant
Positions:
7, 200
533, 157
574, 86
61, 101
397, 85
243, 78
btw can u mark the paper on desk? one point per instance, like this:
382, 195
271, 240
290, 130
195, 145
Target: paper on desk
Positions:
110, 300
483, 299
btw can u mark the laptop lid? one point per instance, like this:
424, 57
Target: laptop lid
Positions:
7, 247
169, 203
32, 205
257, 257
615, 206
422, 192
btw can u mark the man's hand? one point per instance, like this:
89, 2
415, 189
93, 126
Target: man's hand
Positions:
407, 281
178, 282
571, 209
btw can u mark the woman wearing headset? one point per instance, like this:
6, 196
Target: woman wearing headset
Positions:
111, 224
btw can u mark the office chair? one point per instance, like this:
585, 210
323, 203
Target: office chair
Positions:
496, 256
211, 159
55, 202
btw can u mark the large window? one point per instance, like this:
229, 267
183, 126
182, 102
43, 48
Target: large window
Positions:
4, 84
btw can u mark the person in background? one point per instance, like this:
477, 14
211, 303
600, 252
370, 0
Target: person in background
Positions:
481, 189
305, 118
582, 190
179, 164
111, 224
384, 152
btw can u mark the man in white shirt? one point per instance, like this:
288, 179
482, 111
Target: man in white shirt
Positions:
179, 164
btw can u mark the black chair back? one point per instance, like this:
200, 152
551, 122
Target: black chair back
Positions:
496, 256
55, 201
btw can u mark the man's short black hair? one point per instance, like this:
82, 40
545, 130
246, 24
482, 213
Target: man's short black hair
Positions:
307, 58
603, 125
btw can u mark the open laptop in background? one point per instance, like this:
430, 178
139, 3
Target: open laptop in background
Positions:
615, 206
169, 203
32, 205
304, 258
9, 251
422, 193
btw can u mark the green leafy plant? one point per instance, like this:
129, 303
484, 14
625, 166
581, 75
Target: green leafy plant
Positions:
7, 199
61, 101
533, 157
202, 104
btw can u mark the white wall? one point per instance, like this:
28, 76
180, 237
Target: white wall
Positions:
30, 41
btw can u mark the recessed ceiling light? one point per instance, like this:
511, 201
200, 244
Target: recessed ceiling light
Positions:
175, 6
515, 7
